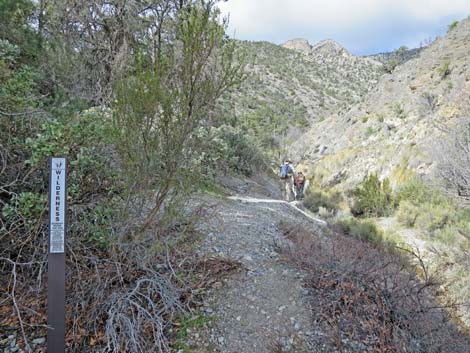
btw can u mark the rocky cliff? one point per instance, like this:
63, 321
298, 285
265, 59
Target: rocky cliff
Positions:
393, 129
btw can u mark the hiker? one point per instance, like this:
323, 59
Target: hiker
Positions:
299, 183
287, 176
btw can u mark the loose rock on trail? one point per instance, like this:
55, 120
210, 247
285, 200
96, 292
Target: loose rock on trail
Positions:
263, 306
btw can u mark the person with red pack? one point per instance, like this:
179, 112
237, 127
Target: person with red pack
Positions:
299, 183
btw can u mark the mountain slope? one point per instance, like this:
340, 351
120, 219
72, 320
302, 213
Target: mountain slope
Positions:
291, 86
393, 129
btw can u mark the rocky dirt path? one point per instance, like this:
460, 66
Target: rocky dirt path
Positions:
264, 305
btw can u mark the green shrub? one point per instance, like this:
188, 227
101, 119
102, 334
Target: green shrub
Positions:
434, 217
429, 217
417, 192
444, 70
426, 208
407, 213
399, 111
448, 235
232, 149
27, 207
373, 198
452, 26
363, 230
463, 223
390, 66
316, 199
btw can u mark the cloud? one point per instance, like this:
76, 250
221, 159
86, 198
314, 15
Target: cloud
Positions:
361, 25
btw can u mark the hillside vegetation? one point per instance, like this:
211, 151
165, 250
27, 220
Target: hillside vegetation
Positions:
286, 90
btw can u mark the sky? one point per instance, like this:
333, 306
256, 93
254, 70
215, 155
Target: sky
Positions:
361, 26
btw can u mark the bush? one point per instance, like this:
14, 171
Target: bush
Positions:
316, 199
428, 209
452, 26
373, 198
407, 213
444, 70
429, 217
374, 295
231, 149
433, 217
362, 230
417, 192
399, 111
390, 66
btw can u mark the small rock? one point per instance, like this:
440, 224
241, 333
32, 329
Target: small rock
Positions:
220, 340
239, 318
297, 326
40, 340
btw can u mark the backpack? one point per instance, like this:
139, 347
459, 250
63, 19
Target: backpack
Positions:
300, 179
285, 171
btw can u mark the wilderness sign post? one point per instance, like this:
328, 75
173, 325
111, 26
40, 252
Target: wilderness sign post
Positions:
56, 258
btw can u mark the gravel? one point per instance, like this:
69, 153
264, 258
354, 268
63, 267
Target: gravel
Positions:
266, 303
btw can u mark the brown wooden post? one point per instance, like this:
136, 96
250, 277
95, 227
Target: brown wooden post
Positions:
56, 258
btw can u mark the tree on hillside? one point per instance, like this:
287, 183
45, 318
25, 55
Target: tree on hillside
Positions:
15, 16
93, 42
160, 106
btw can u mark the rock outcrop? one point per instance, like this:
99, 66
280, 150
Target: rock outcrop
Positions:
392, 131
298, 44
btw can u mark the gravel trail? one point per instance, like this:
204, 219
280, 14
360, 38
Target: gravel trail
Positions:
265, 304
